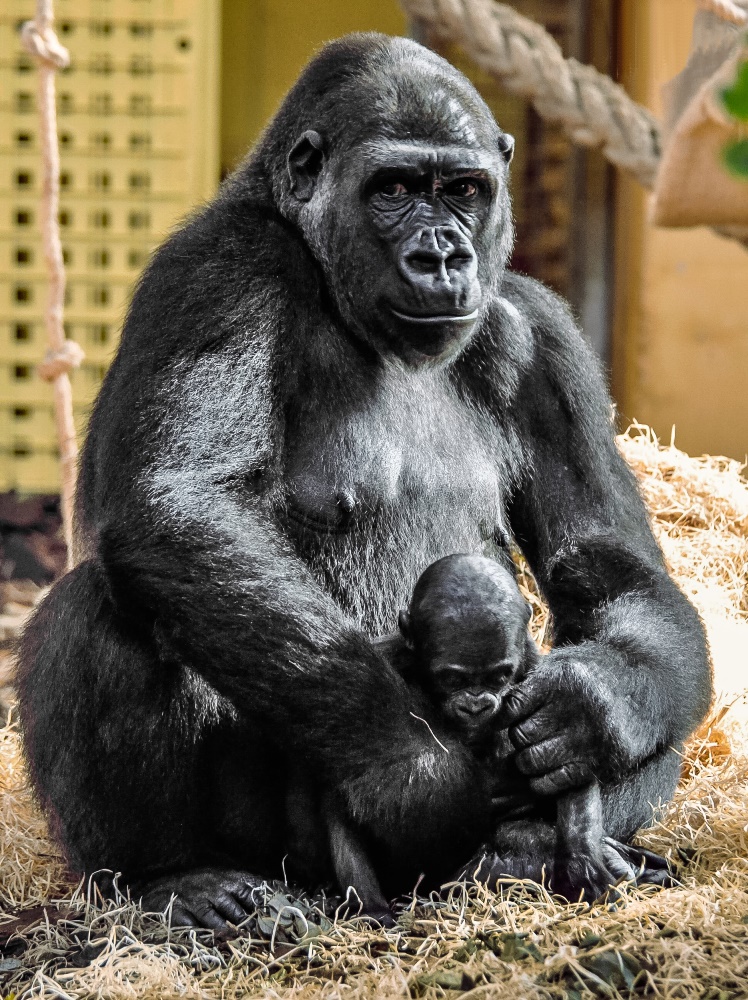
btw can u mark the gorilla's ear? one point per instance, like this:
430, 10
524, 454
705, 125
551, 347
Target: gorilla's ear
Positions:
304, 164
506, 146
403, 621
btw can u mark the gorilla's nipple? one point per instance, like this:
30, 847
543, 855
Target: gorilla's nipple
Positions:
346, 501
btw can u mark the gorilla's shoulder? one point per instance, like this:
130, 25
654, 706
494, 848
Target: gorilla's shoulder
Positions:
547, 315
245, 237
533, 351
218, 272
558, 348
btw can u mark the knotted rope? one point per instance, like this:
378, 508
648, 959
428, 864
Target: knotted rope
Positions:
40, 41
593, 109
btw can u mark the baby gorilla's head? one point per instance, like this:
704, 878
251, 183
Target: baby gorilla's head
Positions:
467, 628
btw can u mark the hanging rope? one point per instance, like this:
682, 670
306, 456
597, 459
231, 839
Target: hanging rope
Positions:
593, 109
40, 41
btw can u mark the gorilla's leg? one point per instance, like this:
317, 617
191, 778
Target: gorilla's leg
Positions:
125, 751
528, 848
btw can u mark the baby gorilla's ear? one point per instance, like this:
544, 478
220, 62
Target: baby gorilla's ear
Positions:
403, 621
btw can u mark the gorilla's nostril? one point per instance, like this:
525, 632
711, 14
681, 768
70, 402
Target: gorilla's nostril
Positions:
425, 262
421, 261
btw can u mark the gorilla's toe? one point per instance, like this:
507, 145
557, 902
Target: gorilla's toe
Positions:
647, 867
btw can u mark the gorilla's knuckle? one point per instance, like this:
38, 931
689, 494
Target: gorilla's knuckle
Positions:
533, 760
522, 736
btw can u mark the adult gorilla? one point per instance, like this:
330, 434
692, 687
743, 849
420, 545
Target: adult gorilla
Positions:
327, 381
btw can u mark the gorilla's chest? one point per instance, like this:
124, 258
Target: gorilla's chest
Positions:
398, 457
375, 493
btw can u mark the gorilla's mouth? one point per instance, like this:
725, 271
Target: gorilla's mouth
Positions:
431, 336
435, 319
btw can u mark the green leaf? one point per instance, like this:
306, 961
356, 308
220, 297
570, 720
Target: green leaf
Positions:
515, 947
735, 98
614, 969
735, 156
445, 979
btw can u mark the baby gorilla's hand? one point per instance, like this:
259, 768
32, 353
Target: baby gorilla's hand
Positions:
558, 721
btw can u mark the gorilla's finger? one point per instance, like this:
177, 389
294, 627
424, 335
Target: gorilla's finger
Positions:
570, 775
522, 700
244, 892
536, 729
182, 917
666, 880
209, 917
541, 758
229, 907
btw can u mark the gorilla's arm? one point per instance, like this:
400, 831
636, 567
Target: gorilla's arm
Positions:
182, 480
629, 674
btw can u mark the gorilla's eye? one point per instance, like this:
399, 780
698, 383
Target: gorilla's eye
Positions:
462, 188
393, 189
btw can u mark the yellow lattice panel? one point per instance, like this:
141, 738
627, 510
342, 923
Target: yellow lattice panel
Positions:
137, 122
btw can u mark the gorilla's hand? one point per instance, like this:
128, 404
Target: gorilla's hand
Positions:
204, 897
559, 721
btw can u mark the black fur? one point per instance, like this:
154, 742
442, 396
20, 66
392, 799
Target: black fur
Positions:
274, 458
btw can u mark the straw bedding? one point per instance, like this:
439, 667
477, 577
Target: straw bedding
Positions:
678, 943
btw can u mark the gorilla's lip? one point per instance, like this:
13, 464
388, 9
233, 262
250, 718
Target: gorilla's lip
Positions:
435, 319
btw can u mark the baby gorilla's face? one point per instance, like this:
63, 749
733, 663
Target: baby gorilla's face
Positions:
466, 676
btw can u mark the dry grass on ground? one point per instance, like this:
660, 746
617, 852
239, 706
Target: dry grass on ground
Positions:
679, 943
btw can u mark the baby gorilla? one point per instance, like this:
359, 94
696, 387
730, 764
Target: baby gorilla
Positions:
462, 642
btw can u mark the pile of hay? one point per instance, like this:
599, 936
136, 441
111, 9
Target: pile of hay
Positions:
520, 942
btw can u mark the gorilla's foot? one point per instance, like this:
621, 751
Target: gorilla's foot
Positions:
648, 868
586, 875
490, 866
589, 875
203, 897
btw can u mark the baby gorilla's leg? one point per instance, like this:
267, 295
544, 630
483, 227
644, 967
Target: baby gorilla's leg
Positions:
355, 873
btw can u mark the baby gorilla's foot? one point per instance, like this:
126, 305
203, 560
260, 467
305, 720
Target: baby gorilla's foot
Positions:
372, 911
380, 918
203, 897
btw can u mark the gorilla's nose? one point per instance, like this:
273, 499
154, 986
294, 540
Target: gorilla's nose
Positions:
476, 704
438, 258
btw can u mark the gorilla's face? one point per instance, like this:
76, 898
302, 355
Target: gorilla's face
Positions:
409, 235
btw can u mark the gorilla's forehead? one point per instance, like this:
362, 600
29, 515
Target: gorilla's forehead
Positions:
426, 105
420, 155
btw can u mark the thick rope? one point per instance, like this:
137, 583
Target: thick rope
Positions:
40, 41
593, 109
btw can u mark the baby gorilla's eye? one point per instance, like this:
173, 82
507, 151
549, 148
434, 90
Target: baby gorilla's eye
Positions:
393, 189
462, 188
